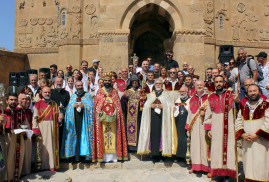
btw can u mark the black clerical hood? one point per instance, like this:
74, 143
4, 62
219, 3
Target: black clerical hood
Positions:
133, 78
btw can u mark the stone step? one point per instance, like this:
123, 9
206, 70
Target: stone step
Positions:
135, 162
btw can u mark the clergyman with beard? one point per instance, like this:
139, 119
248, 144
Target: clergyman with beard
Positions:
155, 138
18, 161
181, 114
252, 125
108, 123
61, 97
78, 126
221, 131
134, 111
45, 127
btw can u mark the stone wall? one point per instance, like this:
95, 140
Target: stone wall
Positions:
11, 62
67, 32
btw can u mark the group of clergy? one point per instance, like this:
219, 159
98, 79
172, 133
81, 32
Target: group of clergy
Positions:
155, 122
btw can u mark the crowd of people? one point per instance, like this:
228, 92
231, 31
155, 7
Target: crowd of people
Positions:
159, 110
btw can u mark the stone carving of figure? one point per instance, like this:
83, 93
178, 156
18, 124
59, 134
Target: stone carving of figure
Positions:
41, 40
251, 26
75, 26
94, 27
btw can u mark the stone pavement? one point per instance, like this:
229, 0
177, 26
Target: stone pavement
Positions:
145, 172
129, 171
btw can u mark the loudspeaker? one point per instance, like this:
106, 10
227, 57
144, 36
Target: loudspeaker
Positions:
31, 71
226, 52
13, 79
13, 89
47, 71
23, 79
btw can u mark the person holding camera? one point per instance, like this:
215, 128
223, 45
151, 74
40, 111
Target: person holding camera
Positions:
169, 62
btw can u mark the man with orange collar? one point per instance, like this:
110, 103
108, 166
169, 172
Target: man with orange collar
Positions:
199, 148
252, 125
219, 115
45, 126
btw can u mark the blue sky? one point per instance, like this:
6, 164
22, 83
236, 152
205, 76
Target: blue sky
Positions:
7, 20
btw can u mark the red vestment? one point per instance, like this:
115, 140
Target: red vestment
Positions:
98, 152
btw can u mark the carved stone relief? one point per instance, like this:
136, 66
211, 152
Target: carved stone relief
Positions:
94, 27
246, 24
237, 21
41, 40
52, 36
22, 4
33, 21
62, 32
223, 12
209, 20
76, 9
45, 31
25, 33
264, 34
44, 3
57, 3
49, 21
90, 9
75, 22
251, 25
241, 7
42, 21
32, 3
266, 10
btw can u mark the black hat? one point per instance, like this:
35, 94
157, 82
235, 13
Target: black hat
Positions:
134, 77
262, 54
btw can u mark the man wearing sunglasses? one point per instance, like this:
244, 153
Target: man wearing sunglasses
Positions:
173, 85
169, 62
69, 71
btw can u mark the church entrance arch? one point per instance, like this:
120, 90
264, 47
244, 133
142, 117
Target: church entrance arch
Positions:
151, 30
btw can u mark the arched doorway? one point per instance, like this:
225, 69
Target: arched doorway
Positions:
151, 29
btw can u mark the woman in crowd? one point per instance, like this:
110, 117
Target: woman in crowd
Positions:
181, 77
70, 85
164, 73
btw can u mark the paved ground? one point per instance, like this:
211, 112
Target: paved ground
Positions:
134, 170
140, 174
129, 171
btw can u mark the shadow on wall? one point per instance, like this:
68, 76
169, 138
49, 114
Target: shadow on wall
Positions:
11, 62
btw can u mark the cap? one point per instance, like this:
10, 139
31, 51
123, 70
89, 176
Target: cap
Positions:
95, 61
262, 54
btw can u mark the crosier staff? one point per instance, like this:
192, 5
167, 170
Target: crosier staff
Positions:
2, 97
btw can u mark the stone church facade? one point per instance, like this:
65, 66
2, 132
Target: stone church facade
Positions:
69, 31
